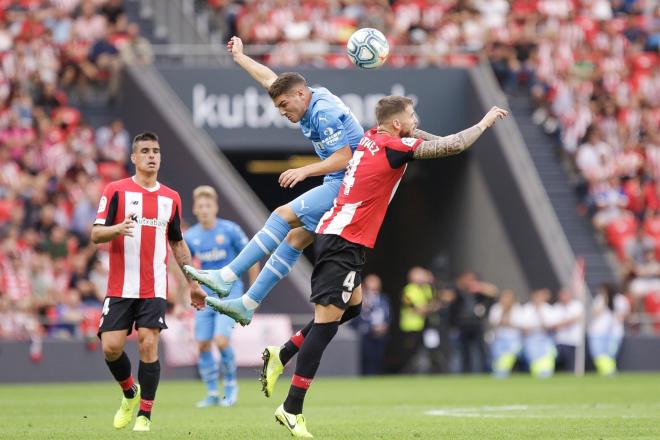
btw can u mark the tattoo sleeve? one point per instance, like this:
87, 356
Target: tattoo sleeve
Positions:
425, 136
448, 145
181, 253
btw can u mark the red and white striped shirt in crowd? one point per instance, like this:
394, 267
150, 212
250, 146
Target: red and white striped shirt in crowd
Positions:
138, 264
372, 178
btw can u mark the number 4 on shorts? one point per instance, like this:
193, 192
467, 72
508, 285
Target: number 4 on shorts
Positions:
349, 281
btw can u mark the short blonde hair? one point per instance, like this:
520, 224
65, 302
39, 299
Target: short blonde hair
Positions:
205, 191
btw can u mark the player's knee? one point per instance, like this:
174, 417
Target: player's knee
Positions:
351, 312
148, 346
205, 346
112, 350
288, 214
299, 238
222, 342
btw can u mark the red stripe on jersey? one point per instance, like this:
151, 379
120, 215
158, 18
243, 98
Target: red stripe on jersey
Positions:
147, 246
116, 273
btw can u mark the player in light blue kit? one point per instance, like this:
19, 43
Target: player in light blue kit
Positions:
335, 132
215, 242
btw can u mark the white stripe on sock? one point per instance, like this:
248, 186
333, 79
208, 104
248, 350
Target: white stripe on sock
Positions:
281, 261
271, 235
275, 271
261, 245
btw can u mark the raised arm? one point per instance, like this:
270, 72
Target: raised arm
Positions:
456, 143
262, 74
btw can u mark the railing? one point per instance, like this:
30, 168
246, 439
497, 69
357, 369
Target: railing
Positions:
196, 54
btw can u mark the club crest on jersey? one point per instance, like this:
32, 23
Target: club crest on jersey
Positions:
220, 238
103, 203
408, 141
346, 295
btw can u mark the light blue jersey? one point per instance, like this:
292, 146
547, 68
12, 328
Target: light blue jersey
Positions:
330, 125
215, 248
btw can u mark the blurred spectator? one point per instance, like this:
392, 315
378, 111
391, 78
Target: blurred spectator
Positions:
608, 313
135, 49
373, 325
505, 323
415, 306
51, 169
569, 330
113, 142
469, 314
538, 320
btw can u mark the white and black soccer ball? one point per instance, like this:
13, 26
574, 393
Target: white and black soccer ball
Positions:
368, 48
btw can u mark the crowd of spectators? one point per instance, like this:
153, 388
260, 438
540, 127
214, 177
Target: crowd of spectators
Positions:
53, 164
592, 68
469, 326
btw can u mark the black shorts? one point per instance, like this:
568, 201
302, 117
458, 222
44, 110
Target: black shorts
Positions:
122, 313
337, 271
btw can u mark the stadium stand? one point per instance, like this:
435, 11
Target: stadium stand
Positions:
55, 57
601, 102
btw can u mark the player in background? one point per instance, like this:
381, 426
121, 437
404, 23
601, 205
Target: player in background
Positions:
138, 216
215, 242
334, 132
352, 225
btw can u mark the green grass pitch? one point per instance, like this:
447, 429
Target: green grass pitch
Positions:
422, 407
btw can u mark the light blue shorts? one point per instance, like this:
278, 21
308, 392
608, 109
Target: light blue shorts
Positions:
209, 323
310, 206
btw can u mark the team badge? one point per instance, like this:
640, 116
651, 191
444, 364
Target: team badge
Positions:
102, 203
220, 238
346, 295
408, 141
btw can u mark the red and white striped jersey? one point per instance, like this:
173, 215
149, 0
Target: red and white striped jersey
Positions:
138, 264
370, 182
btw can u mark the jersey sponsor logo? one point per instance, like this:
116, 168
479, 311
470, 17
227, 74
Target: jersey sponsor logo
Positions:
220, 238
153, 222
212, 255
408, 141
332, 138
328, 131
103, 203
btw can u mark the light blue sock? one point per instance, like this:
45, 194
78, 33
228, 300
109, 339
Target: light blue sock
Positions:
277, 267
228, 367
262, 244
208, 371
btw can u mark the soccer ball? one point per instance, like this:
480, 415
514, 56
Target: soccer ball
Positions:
368, 48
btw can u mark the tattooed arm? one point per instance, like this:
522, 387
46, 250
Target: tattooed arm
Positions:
455, 143
183, 257
425, 136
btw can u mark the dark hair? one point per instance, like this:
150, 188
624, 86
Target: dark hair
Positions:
284, 83
390, 106
145, 136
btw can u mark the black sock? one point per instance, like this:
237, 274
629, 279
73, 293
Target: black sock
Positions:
308, 362
148, 376
291, 347
350, 313
121, 371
